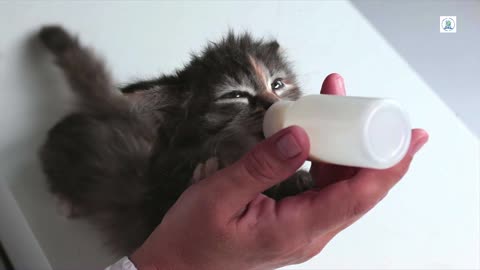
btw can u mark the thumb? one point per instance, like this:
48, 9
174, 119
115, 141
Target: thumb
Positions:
267, 164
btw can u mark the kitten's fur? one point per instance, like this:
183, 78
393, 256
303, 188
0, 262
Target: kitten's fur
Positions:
125, 155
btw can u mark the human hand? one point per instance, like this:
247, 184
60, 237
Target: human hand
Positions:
225, 222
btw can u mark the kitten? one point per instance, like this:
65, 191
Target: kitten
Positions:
125, 155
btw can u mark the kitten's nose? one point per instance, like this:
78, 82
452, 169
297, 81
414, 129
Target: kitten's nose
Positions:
265, 100
264, 104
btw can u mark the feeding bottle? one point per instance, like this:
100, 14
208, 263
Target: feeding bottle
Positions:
354, 131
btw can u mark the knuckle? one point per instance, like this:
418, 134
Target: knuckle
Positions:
217, 228
367, 197
360, 207
305, 254
275, 243
280, 245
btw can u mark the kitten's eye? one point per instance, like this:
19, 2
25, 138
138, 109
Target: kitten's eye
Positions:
277, 84
234, 95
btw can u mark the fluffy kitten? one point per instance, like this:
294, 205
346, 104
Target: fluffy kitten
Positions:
125, 155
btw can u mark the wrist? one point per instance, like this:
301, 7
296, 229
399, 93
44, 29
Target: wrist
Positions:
145, 258
142, 260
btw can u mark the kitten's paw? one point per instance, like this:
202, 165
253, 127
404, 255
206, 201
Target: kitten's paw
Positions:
303, 180
55, 38
204, 170
295, 184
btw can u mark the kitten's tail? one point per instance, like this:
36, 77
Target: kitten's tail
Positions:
85, 73
98, 162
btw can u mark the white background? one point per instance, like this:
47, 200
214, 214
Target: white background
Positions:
449, 64
429, 220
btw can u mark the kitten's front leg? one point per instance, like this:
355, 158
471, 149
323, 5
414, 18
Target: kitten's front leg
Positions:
295, 184
204, 170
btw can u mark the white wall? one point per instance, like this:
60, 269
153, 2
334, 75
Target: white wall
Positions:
429, 220
449, 63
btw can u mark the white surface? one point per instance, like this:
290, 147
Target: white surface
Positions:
429, 220
449, 63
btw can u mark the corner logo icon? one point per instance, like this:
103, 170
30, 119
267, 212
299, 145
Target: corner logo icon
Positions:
448, 24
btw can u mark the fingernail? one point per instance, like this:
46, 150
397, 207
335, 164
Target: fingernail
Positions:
288, 147
419, 145
340, 82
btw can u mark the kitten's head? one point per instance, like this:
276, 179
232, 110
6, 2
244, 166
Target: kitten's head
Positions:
215, 105
234, 82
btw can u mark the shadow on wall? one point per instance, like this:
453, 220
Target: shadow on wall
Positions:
449, 63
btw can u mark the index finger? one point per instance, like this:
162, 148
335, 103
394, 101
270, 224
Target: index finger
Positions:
347, 200
333, 85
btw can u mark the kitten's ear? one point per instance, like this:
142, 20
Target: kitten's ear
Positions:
273, 46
